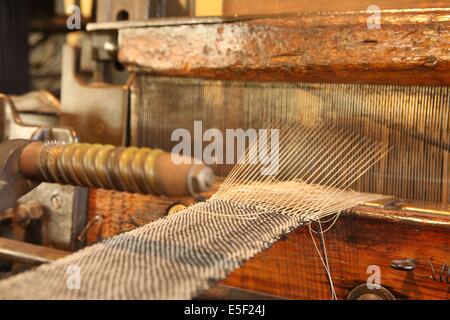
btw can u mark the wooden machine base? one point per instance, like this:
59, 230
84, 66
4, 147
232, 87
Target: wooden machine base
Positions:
291, 268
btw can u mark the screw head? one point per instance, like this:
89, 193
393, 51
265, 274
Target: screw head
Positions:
56, 201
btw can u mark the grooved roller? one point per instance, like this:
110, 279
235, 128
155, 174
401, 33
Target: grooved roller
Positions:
138, 170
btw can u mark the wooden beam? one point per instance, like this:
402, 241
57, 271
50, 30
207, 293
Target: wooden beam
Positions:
239, 7
411, 47
291, 268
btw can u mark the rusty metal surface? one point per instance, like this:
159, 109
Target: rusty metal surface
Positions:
58, 202
38, 108
40, 121
61, 220
97, 110
325, 47
140, 170
12, 183
40, 101
60, 205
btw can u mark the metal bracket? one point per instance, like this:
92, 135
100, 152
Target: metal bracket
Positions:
99, 111
410, 265
12, 126
65, 206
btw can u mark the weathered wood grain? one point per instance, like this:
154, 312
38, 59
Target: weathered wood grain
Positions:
239, 7
291, 268
411, 47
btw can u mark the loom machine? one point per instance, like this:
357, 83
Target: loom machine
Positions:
330, 70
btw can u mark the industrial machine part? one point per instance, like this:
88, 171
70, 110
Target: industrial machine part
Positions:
39, 102
111, 10
386, 83
41, 105
211, 75
24, 163
274, 82
411, 265
36, 116
92, 115
175, 208
25, 213
330, 48
13, 184
19, 251
363, 292
132, 169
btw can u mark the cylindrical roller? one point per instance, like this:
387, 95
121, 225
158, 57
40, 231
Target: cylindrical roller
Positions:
198, 176
139, 170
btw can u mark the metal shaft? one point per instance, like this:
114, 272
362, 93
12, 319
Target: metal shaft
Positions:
138, 170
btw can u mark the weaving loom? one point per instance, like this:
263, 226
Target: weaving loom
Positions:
182, 255
361, 175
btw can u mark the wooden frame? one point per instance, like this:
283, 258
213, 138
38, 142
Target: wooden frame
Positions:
411, 47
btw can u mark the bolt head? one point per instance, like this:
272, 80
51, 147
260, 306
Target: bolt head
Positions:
56, 201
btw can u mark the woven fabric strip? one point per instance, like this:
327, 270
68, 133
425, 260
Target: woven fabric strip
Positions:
175, 257
179, 256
